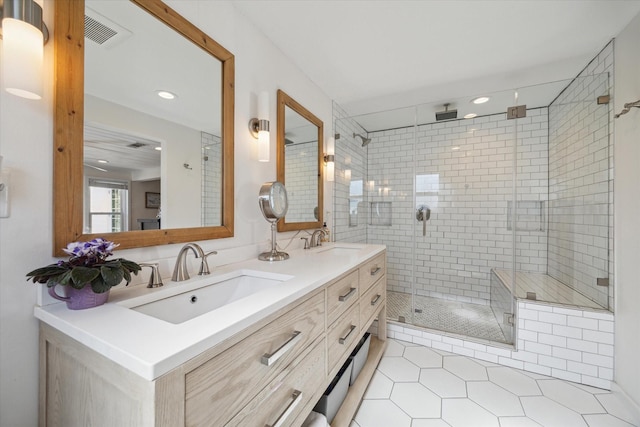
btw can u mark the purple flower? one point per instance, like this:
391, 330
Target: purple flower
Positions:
92, 252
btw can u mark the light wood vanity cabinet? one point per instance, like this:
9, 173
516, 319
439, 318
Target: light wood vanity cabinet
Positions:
220, 387
271, 373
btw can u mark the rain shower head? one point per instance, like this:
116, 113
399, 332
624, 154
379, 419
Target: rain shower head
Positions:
365, 141
446, 114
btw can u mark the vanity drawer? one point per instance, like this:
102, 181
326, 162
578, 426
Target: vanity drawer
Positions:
219, 388
288, 396
372, 271
342, 336
341, 295
371, 302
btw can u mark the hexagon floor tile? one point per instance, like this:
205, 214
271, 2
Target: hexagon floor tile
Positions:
416, 400
381, 413
415, 386
465, 368
443, 383
399, 369
494, 398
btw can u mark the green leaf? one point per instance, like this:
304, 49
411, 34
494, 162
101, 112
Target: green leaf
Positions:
130, 265
83, 275
63, 279
127, 275
111, 275
99, 286
42, 274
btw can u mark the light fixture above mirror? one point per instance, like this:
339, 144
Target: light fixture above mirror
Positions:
259, 127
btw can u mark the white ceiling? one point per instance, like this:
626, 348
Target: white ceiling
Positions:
377, 55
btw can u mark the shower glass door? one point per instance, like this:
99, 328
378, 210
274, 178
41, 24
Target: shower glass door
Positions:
463, 181
389, 201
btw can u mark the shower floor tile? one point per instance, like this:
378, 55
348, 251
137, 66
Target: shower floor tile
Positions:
462, 318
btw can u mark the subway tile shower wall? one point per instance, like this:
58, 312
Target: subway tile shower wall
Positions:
463, 172
301, 158
211, 179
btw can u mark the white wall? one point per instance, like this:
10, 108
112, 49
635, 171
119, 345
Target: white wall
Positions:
627, 211
26, 144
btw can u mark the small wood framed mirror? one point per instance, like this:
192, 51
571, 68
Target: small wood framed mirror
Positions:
299, 164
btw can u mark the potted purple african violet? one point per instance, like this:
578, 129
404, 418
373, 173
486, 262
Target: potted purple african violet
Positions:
87, 277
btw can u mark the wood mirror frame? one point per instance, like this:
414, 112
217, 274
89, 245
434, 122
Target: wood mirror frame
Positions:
285, 100
69, 122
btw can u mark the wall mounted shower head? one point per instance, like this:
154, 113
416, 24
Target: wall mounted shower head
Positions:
365, 141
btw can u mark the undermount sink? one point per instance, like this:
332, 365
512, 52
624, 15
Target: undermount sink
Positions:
210, 296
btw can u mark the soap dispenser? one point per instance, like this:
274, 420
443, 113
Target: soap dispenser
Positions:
327, 234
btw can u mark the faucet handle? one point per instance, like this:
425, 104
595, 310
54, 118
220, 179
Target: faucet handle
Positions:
155, 281
306, 242
204, 265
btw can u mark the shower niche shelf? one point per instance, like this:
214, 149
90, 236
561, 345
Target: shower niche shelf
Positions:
380, 213
530, 215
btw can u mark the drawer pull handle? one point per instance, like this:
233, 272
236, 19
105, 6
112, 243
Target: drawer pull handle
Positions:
343, 298
375, 300
269, 359
297, 397
344, 339
375, 270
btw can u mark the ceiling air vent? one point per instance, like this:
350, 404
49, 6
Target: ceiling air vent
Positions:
97, 31
102, 30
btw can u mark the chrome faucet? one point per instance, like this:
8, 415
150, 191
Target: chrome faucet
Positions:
315, 238
204, 265
180, 271
155, 280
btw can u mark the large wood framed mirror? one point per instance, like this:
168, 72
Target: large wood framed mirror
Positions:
129, 165
299, 164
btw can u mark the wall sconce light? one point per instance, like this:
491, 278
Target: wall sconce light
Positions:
329, 159
259, 127
23, 37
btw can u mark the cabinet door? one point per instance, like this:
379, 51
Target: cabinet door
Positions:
219, 388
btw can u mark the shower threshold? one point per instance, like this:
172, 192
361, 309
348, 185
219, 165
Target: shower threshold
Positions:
465, 319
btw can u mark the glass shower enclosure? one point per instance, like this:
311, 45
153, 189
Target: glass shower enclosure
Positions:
481, 203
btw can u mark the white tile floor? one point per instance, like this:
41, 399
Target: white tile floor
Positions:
415, 386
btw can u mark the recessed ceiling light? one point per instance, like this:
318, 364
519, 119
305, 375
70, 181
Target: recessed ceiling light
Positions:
455, 148
480, 100
103, 161
470, 115
166, 94
158, 148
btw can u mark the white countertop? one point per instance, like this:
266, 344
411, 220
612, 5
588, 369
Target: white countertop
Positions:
151, 347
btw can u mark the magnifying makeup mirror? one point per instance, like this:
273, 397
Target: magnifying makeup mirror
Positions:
273, 204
